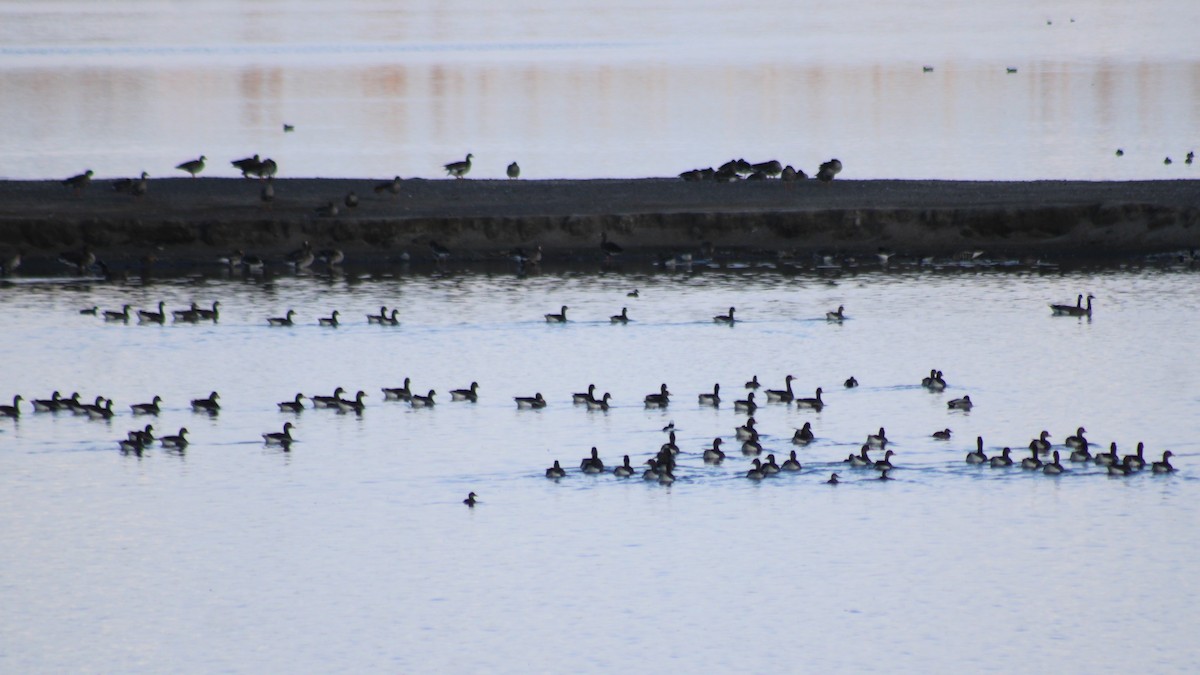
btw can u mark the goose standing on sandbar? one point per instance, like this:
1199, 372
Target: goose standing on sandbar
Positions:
514, 171
79, 182
459, 169
193, 166
561, 317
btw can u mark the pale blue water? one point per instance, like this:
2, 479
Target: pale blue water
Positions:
352, 552
610, 89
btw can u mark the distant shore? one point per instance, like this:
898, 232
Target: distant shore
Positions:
182, 221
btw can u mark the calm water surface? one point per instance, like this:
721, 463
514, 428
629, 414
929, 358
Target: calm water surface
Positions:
352, 552
611, 89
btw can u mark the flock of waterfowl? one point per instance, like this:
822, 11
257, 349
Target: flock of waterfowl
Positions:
740, 169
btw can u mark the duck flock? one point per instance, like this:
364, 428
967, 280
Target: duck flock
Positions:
662, 464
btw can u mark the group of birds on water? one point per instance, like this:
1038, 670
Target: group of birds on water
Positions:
740, 169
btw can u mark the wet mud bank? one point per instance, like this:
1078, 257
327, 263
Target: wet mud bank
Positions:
180, 222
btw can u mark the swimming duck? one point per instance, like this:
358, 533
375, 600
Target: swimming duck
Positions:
1136, 461
1032, 461
753, 383
355, 406
1069, 310
1107, 458
600, 404
878, 440
148, 316
592, 464
963, 403
14, 410
277, 438
332, 401
533, 402
839, 315
746, 405
471, 500
943, 435
292, 406
459, 169
714, 455
561, 317
1165, 465
1041, 442
791, 463
803, 435
769, 467
556, 471
712, 399
419, 401
746, 431
282, 320
784, 395
624, 470
93, 310
815, 402
208, 405
469, 394
851, 383
178, 441
622, 318
726, 318
331, 320
398, 393
886, 462
1053, 468
150, 408
584, 398
833, 479
1002, 460
659, 400
756, 473
1076, 441
976, 456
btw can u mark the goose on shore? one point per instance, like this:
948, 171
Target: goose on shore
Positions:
82, 260
193, 166
392, 186
513, 171
327, 210
208, 405
727, 319
803, 435
285, 320
150, 408
133, 186
560, 317
556, 471
459, 169
622, 318
331, 320
828, 170
249, 166
79, 182
469, 394
711, 399
1002, 460
784, 395
814, 403
419, 401
839, 315
536, 401
1165, 465
279, 437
